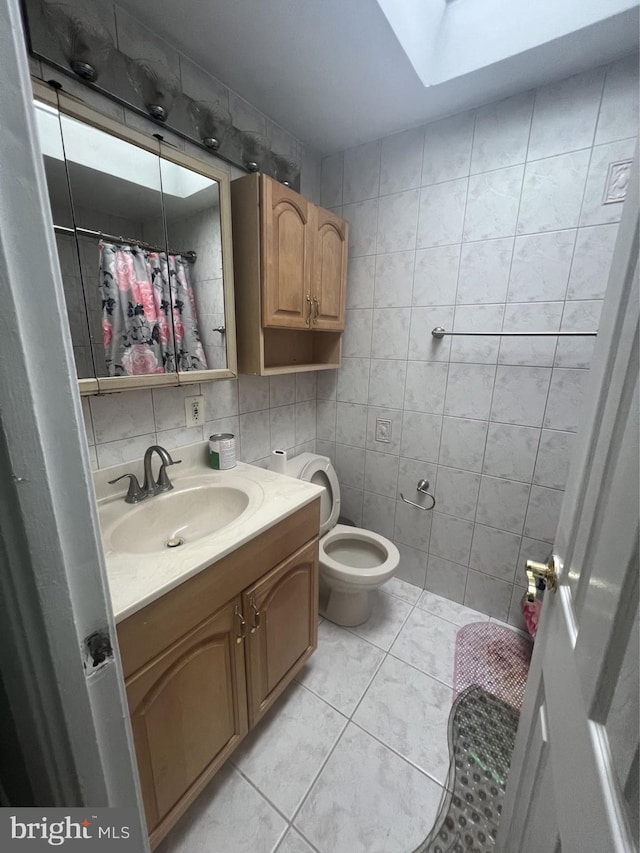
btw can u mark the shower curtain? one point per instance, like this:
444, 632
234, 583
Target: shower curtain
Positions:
149, 319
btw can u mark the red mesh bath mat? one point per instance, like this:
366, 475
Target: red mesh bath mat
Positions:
494, 658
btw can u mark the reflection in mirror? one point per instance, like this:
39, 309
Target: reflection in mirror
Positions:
192, 214
50, 134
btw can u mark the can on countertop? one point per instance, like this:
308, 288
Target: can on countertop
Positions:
222, 451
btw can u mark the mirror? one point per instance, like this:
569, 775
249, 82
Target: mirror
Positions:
141, 232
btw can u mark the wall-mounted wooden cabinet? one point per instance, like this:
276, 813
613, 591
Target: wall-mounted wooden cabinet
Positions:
206, 661
290, 266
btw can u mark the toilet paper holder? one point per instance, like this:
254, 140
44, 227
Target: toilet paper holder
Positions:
423, 488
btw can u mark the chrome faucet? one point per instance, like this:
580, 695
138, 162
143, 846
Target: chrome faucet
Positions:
153, 487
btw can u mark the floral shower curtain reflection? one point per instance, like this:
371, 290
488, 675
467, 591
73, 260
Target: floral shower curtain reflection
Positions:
149, 319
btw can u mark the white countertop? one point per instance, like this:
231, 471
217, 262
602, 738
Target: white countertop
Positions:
137, 579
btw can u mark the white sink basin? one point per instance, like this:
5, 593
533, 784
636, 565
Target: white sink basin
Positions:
173, 520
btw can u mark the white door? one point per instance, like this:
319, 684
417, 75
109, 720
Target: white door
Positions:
573, 784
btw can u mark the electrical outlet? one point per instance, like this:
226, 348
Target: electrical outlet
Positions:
383, 430
194, 411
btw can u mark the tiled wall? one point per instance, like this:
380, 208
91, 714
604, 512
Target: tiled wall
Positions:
487, 221
265, 414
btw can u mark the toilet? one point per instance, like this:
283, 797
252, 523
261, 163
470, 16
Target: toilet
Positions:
353, 562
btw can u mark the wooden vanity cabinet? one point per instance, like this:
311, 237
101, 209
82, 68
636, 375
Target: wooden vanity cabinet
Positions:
204, 662
290, 272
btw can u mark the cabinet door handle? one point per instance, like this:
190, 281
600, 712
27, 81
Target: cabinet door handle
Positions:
240, 637
256, 617
308, 321
316, 305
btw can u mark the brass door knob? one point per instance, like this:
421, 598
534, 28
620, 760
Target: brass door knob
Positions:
547, 571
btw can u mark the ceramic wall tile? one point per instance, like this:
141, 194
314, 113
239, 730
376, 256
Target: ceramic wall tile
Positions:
502, 133
592, 262
305, 421
282, 422
398, 221
282, 389
122, 416
519, 395
356, 341
253, 393
495, 552
351, 504
412, 526
422, 345
410, 472
401, 164
326, 384
484, 271
352, 384
527, 351
441, 213
462, 443
488, 594
554, 455
457, 492
325, 419
543, 513
451, 538
618, 117
540, 268
435, 277
390, 335
360, 281
564, 405
381, 473
413, 565
221, 398
447, 149
565, 115
511, 451
446, 578
349, 465
171, 439
123, 449
378, 513
255, 439
420, 436
502, 504
469, 390
582, 316
305, 386
394, 279
492, 204
574, 352
386, 383
351, 423
331, 180
425, 386
363, 223
361, 177
552, 193
532, 317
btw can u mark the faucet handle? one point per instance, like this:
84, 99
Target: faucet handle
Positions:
135, 493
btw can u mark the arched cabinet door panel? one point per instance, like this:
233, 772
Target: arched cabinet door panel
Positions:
281, 612
286, 257
330, 271
188, 711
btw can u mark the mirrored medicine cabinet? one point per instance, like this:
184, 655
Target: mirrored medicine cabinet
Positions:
143, 233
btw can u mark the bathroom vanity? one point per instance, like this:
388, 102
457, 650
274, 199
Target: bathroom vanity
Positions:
208, 643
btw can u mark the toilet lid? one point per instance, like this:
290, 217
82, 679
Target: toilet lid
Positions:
320, 472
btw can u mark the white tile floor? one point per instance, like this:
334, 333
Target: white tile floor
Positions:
352, 757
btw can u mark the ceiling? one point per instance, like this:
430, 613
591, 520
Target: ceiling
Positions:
334, 73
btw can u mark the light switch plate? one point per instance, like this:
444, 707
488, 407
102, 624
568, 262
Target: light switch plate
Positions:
194, 411
383, 430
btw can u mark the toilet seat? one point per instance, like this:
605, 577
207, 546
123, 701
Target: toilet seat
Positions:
374, 546
319, 471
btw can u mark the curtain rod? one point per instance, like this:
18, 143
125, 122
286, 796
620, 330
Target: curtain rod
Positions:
439, 332
189, 256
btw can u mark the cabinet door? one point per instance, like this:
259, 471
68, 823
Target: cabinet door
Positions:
286, 257
282, 616
330, 270
188, 711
